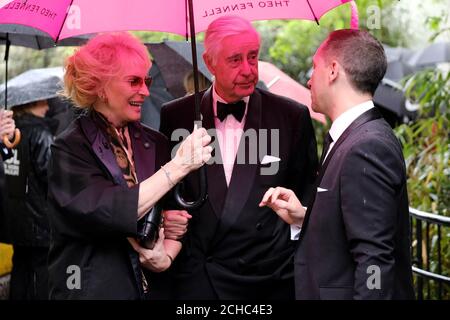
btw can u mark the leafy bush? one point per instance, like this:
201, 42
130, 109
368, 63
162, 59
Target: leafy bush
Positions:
426, 147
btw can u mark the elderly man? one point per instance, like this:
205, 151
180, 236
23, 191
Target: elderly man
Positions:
233, 249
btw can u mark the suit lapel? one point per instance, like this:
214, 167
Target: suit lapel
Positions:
243, 175
367, 116
217, 185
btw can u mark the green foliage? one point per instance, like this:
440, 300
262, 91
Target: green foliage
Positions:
291, 44
149, 37
426, 142
426, 147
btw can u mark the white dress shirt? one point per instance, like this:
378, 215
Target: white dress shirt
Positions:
229, 132
338, 127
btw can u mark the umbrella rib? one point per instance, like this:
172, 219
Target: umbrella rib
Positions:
38, 45
64, 21
312, 11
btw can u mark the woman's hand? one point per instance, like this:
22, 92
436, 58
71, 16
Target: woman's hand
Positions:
7, 124
155, 259
194, 150
175, 223
285, 203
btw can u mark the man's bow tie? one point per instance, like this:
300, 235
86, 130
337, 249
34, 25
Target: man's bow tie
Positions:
237, 109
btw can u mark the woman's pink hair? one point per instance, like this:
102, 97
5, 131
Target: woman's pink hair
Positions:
103, 57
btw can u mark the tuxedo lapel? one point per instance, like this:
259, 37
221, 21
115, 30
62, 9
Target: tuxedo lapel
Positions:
243, 175
367, 116
217, 185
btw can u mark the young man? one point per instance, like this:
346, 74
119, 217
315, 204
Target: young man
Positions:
354, 240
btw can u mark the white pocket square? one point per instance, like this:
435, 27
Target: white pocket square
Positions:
269, 159
319, 189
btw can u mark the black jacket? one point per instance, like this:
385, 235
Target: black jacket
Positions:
233, 248
93, 212
4, 155
354, 242
25, 196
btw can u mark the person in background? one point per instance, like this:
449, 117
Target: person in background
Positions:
233, 249
107, 171
26, 207
188, 82
354, 241
7, 127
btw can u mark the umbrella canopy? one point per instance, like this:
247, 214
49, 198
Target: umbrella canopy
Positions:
24, 36
33, 85
67, 18
389, 97
397, 70
151, 110
174, 59
398, 66
280, 83
435, 53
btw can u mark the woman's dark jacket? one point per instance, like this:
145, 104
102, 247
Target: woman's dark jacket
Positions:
93, 211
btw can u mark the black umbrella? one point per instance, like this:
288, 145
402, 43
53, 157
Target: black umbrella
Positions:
397, 70
398, 66
13, 34
174, 59
24, 36
159, 94
391, 101
435, 53
32, 85
40, 84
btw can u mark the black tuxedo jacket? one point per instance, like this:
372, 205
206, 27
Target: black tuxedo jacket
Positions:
233, 249
355, 240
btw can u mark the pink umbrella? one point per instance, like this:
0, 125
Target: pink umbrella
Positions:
67, 18
280, 83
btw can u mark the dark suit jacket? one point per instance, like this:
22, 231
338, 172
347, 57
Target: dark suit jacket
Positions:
93, 211
234, 249
360, 221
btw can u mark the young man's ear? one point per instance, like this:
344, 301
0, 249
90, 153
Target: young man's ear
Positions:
333, 70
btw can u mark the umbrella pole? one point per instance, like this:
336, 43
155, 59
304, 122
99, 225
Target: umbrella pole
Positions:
194, 62
5, 139
202, 171
6, 69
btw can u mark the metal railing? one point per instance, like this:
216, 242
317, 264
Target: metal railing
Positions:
430, 265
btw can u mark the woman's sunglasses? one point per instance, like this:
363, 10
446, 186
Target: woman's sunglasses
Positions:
136, 82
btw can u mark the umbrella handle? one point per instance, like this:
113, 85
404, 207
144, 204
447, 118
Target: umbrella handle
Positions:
192, 205
15, 142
